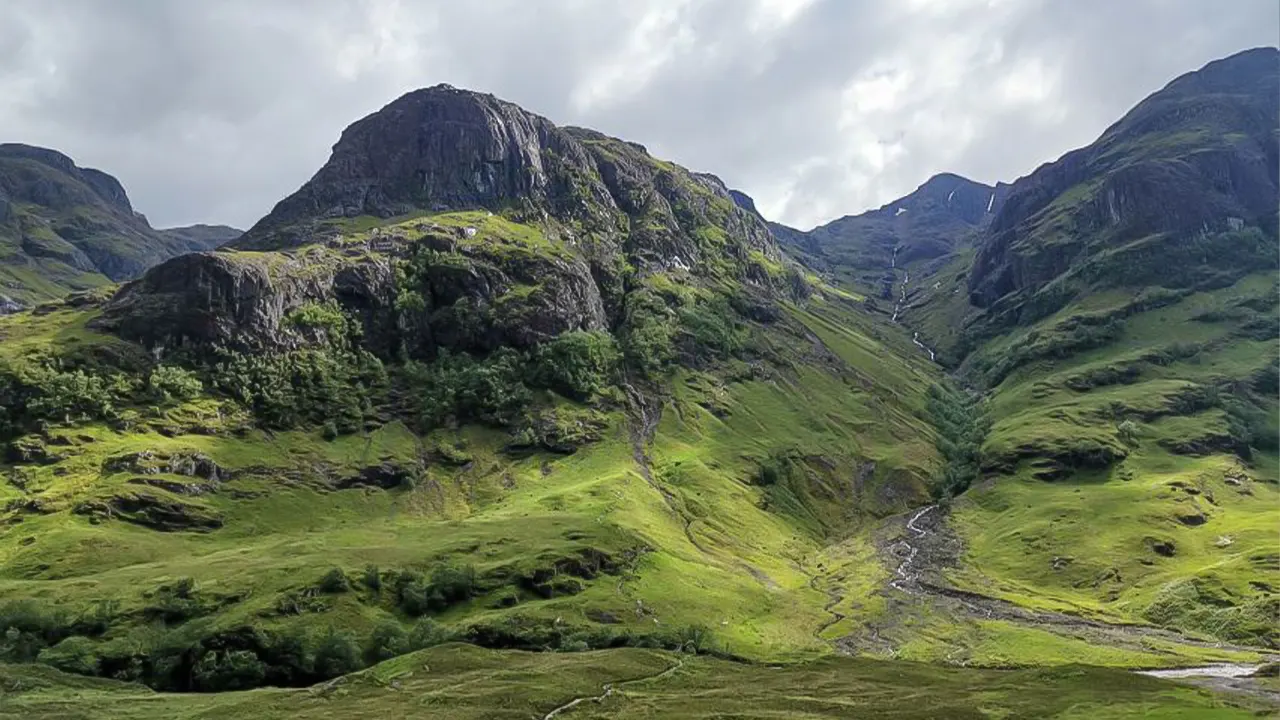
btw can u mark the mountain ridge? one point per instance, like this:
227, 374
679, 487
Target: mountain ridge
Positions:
65, 228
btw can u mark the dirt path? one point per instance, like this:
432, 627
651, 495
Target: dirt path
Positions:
607, 690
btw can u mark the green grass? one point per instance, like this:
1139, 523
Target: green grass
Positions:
1084, 542
459, 682
704, 545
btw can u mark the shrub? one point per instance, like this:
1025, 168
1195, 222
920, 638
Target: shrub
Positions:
459, 388
427, 633
76, 654
337, 654
302, 387
576, 364
232, 670
386, 641
334, 581
961, 426
372, 578
1128, 432
168, 384
447, 586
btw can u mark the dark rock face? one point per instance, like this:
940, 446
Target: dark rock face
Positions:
602, 212
1195, 159
938, 217
386, 476
435, 148
442, 148
153, 509
238, 301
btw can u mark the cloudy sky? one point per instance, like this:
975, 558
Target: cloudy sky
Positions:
212, 111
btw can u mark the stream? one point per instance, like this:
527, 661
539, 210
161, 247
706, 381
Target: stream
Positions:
1221, 670
907, 581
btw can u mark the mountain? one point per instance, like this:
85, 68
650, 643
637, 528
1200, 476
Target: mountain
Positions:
1118, 320
66, 228
486, 384
488, 379
1159, 198
201, 237
932, 221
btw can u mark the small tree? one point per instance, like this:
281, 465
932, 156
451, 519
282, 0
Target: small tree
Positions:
1128, 431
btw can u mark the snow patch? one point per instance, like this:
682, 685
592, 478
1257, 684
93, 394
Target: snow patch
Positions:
991, 202
950, 195
899, 212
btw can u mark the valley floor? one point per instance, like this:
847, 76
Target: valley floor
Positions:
461, 682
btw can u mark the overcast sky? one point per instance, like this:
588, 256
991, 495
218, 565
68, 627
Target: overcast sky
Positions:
213, 111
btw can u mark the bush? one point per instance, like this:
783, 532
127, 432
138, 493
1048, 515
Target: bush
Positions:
710, 329
386, 641
334, 581
168, 384
232, 670
76, 654
962, 426
1128, 432
372, 578
26, 628
427, 633
459, 388
337, 654
289, 390
647, 334
576, 364
34, 393
447, 586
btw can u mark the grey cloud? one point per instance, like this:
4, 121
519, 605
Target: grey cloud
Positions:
213, 111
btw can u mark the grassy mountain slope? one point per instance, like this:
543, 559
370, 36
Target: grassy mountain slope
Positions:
1129, 369
596, 410
64, 228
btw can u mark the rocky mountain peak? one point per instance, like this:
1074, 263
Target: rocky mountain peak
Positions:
438, 148
1198, 158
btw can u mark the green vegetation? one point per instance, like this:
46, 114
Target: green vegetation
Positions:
961, 429
463, 682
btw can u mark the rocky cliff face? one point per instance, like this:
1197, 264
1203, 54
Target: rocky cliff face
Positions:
937, 218
515, 230
1192, 162
65, 228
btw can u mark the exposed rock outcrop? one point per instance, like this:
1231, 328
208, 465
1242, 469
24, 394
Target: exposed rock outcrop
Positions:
590, 213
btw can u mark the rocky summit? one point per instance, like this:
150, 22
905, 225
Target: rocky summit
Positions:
499, 418
536, 229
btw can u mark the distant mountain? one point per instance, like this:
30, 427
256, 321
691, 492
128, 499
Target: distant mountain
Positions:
202, 237
1159, 198
929, 223
65, 228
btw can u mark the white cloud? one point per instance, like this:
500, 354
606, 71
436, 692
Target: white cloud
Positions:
818, 108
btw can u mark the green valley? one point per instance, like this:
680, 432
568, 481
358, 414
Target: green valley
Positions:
497, 418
